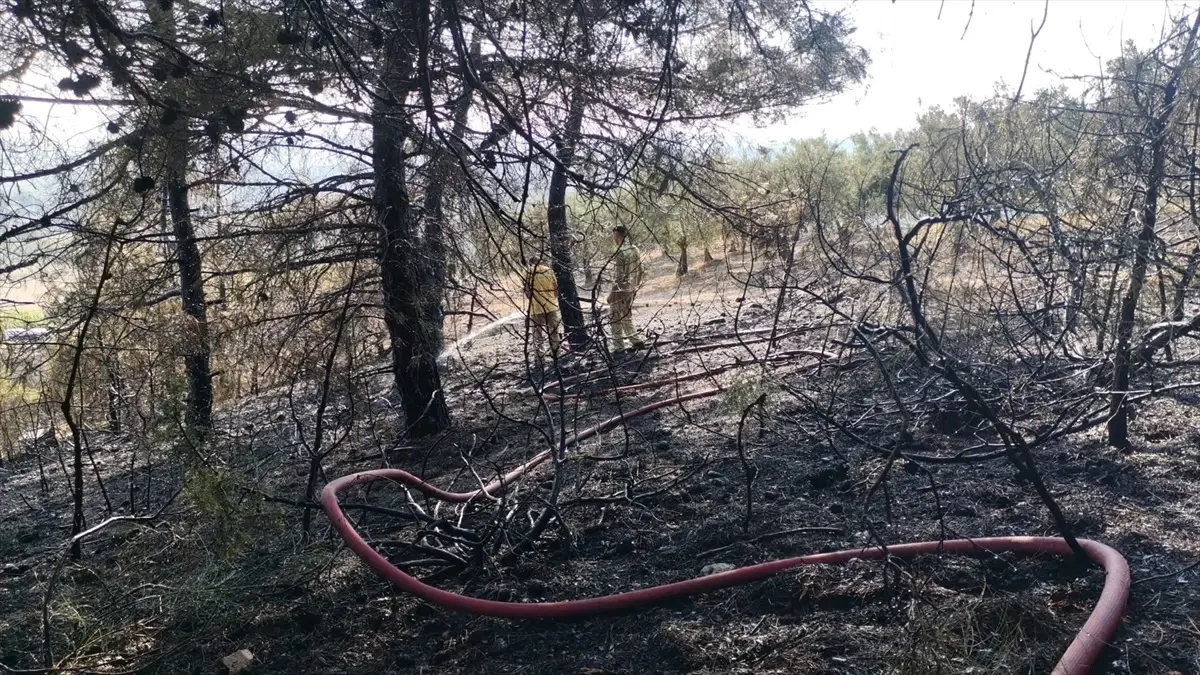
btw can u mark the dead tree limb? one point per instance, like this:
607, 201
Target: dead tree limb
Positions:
1118, 423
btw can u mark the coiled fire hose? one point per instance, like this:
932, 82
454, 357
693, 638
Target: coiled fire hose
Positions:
1100, 627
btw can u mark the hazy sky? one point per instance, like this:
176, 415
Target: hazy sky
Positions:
920, 60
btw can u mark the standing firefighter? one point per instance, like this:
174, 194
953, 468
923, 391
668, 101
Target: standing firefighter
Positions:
541, 290
626, 280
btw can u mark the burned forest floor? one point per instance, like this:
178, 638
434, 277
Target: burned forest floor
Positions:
220, 561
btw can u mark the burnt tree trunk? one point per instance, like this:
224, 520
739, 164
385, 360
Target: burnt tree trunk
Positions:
1118, 421
556, 222
404, 276
176, 150
191, 292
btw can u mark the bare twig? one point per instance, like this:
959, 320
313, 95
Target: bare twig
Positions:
1168, 575
751, 471
1034, 33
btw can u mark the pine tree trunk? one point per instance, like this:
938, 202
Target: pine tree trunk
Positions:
403, 277
198, 414
560, 236
191, 290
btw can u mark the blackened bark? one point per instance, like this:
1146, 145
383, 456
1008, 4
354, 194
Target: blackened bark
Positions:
556, 221
403, 276
191, 292
198, 415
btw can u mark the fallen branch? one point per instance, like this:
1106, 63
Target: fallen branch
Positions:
1168, 575
1160, 335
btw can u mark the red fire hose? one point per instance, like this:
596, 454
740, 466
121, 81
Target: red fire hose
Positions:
1077, 660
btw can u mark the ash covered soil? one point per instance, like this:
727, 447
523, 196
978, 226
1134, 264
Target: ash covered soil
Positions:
225, 565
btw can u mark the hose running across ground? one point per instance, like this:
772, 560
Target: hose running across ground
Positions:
1101, 625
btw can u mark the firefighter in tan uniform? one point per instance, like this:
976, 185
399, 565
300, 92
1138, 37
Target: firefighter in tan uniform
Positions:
626, 280
541, 290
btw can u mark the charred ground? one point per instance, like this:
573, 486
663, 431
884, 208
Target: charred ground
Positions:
224, 565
